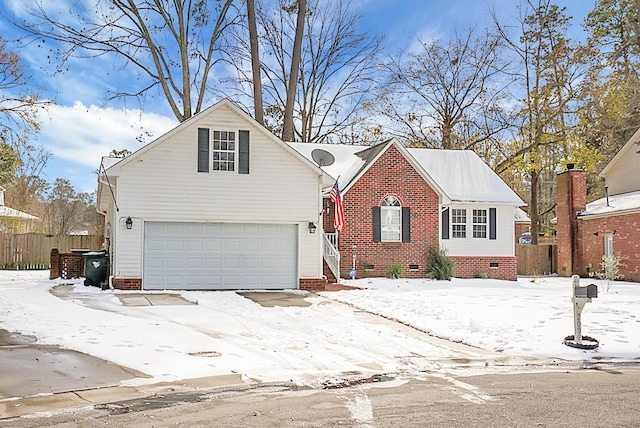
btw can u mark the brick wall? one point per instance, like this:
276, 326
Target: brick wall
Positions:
625, 241
491, 267
571, 198
66, 265
391, 175
313, 284
127, 283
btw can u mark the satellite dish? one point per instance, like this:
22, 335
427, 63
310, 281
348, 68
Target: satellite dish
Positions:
322, 157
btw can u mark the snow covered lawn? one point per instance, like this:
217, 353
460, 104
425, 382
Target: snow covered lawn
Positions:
530, 317
227, 333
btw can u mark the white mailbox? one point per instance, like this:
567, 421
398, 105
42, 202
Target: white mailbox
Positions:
581, 296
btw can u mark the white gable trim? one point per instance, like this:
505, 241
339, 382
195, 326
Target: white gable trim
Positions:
225, 102
444, 198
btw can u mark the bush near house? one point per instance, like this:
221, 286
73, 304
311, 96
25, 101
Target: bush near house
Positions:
442, 267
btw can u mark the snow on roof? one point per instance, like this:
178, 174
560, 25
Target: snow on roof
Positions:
464, 177
346, 164
617, 204
461, 174
108, 161
10, 212
521, 216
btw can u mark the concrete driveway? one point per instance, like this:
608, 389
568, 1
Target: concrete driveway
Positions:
256, 346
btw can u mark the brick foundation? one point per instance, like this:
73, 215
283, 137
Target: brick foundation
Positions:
313, 284
475, 267
127, 283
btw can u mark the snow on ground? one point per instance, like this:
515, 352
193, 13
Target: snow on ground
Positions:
530, 317
227, 333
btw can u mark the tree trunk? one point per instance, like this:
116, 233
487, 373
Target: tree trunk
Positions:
287, 128
255, 63
533, 207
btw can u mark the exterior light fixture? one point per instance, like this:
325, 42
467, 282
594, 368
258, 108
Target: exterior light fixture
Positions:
129, 223
312, 227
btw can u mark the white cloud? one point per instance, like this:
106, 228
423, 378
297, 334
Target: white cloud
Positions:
78, 136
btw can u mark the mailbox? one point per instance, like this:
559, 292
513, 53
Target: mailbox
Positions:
590, 291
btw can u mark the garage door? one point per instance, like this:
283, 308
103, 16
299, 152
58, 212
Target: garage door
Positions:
215, 256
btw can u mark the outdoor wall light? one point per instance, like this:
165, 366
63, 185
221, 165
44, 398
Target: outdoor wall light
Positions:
312, 227
129, 223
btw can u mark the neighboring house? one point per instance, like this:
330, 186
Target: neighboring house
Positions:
523, 226
610, 225
219, 202
398, 202
14, 221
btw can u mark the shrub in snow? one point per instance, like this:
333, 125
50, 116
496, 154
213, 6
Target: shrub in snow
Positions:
441, 266
395, 271
610, 268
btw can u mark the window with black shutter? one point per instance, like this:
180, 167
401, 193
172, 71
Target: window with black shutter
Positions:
203, 149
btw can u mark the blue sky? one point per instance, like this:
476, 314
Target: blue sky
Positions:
81, 127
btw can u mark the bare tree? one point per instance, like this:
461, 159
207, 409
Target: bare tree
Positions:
255, 62
173, 45
20, 99
550, 69
336, 73
447, 94
296, 55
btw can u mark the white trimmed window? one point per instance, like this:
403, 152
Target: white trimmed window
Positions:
479, 223
391, 220
608, 245
458, 223
224, 151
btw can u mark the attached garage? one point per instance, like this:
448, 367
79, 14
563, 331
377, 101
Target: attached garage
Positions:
220, 256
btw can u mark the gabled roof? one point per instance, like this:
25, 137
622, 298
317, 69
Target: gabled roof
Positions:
10, 212
5, 211
624, 203
624, 151
456, 175
465, 177
109, 164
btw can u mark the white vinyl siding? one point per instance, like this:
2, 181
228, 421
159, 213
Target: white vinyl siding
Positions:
503, 245
163, 185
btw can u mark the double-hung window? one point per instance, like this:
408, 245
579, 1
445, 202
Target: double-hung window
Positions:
224, 151
390, 219
458, 223
479, 223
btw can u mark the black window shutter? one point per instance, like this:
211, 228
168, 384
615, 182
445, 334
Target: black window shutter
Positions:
376, 224
406, 224
445, 223
243, 151
203, 149
492, 223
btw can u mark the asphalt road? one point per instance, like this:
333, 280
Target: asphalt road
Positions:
608, 397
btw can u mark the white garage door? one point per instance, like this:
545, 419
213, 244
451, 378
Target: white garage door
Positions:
215, 256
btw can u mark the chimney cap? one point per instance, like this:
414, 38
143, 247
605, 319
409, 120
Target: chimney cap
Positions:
570, 166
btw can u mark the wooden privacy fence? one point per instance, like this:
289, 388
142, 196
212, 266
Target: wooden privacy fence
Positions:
32, 251
536, 259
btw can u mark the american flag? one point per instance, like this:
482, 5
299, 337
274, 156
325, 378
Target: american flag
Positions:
338, 217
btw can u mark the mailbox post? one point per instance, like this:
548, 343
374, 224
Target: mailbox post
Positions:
581, 296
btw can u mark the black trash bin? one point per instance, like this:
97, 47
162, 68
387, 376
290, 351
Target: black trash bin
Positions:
95, 268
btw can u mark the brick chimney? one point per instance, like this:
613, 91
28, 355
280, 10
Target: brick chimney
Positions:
571, 199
